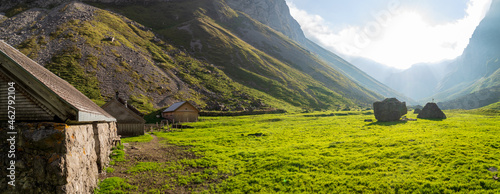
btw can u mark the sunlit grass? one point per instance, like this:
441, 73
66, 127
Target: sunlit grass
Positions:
142, 138
115, 185
332, 152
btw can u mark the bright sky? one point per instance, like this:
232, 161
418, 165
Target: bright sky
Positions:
397, 33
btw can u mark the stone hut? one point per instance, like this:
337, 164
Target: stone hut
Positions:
58, 141
431, 111
390, 109
181, 112
129, 121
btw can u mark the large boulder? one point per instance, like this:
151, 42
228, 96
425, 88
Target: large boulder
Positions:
391, 109
431, 111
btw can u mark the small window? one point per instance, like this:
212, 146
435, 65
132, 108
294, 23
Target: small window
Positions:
186, 108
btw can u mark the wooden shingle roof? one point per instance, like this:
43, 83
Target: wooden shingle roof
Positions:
64, 100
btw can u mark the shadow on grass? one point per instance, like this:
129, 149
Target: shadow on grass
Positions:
334, 114
432, 119
272, 120
387, 123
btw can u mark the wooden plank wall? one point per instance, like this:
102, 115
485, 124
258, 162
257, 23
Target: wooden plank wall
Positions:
133, 129
26, 109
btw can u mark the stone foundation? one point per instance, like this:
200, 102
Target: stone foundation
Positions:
55, 157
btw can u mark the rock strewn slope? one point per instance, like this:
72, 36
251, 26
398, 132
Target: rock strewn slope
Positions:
100, 53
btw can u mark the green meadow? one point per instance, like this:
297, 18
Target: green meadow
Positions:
337, 152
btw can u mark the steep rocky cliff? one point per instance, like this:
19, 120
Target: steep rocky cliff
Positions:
475, 76
274, 14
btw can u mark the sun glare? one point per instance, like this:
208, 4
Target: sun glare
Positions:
409, 39
400, 39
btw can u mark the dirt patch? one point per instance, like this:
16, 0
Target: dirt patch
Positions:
170, 172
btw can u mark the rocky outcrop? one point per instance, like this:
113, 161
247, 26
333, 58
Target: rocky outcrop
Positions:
274, 14
391, 109
431, 111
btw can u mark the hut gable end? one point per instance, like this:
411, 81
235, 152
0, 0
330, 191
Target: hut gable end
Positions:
186, 107
181, 112
26, 108
122, 113
128, 122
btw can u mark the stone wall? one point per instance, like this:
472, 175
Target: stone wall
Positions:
104, 133
55, 157
80, 161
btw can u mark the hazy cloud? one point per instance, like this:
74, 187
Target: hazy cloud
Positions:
396, 36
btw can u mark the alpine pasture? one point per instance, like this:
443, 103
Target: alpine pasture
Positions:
337, 152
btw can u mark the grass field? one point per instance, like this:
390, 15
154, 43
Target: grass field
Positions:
337, 152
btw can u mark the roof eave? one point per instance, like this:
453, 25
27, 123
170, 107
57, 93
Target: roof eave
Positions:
89, 117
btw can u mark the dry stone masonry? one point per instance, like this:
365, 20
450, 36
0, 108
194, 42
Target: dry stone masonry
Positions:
56, 157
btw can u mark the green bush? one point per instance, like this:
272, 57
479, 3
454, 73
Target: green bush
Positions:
110, 170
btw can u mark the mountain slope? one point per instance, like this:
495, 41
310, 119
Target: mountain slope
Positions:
356, 74
101, 53
419, 81
281, 20
165, 51
476, 71
376, 70
249, 52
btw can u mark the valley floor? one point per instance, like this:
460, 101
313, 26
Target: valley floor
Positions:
322, 152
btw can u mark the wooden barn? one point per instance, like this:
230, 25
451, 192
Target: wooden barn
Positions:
129, 121
61, 138
181, 112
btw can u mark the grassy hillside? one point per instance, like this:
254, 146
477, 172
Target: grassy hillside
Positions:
473, 100
249, 52
332, 152
494, 106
